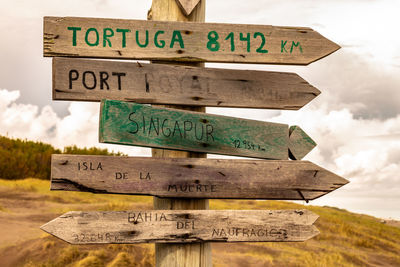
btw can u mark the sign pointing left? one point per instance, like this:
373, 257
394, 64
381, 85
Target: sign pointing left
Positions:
142, 125
172, 226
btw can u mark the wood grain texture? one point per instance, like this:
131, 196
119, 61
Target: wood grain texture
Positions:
187, 6
193, 177
164, 226
93, 80
183, 41
141, 125
299, 143
187, 254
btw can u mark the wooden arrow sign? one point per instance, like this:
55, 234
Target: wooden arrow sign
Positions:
142, 125
193, 177
187, 6
185, 226
183, 41
93, 80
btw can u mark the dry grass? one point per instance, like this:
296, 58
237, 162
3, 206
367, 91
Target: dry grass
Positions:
346, 239
87, 256
101, 202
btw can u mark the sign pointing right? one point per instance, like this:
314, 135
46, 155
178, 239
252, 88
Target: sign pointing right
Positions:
183, 41
193, 177
141, 125
94, 80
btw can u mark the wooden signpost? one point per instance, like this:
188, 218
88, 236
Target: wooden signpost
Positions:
179, 41
182, 178
94, 80
142, 125
186, 226
189, 254
193, 178
187, 6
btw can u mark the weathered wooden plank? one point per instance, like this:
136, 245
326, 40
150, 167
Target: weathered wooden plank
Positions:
193, 177
183, 41
142, 125
186, 226
93, 80
187, 6
299, 143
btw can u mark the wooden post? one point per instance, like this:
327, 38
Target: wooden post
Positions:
198, 254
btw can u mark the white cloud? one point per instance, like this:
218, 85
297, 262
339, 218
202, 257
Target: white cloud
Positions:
22, 120
363, 27
79, 127
364, 151
355, 120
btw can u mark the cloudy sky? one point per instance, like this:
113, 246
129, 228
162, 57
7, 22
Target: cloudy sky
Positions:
355, 121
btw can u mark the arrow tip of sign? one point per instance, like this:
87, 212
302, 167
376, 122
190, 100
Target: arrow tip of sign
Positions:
311, 216
300, 144
314, 232
331, 47
44, 227
56, 228
187, 6
339, 181
48, 228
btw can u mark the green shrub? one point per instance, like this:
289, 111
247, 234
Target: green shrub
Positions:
20, 159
